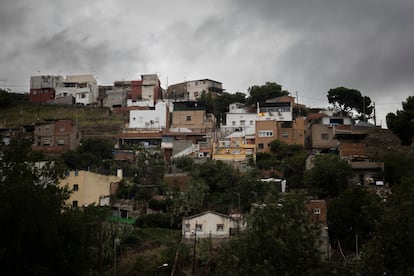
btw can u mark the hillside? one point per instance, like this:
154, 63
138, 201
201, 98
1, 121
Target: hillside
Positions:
91, 120
381, 141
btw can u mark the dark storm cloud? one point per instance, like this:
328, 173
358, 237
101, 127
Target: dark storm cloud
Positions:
359, 44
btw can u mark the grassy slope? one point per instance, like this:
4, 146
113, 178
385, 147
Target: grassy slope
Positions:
90, 119
157, 246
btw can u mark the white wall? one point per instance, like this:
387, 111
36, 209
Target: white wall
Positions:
238, 114
149, 103
209, 223
236, 120
153, 119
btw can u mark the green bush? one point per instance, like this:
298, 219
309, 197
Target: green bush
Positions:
154, 220
157, 205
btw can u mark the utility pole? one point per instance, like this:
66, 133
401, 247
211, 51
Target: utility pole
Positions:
375, 116
194, 249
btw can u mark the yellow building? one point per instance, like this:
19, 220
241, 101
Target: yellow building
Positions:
89, 188
234, 151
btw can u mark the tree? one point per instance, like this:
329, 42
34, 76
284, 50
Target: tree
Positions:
328, 176
38, 236
278, 241
93, 153
150, 169
194, 197
261, 93
397, 166
402, 123
391, 251
353, 215
8, 99
347, 100
219, 104
5, 99
293, 169
218, 175
283, 150
184, 163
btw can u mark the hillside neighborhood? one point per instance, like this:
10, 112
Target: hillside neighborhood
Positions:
225, 171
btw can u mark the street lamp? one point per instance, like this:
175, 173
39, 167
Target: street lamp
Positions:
159, 267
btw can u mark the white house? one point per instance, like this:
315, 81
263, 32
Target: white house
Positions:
212, 224
83, 88
155, 118
238, 118
279, 111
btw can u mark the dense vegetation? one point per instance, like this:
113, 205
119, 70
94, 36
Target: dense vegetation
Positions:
402, 122
370, 233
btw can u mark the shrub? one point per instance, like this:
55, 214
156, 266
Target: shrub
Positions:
154, 220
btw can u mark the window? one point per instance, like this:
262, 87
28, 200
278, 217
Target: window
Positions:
187, 227
61, 142
233, 123
336, 121
316, 211
195, 94
199, 227
220, 228
324, 136
261, 146
47, 141
62, 129
188, 118
285, 134
265, 133
242, 122
75, 187
75, 204
251, 122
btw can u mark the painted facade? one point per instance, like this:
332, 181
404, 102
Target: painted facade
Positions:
156, 118
234, 151
88, 188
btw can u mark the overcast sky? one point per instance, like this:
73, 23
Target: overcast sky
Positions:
306, 46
